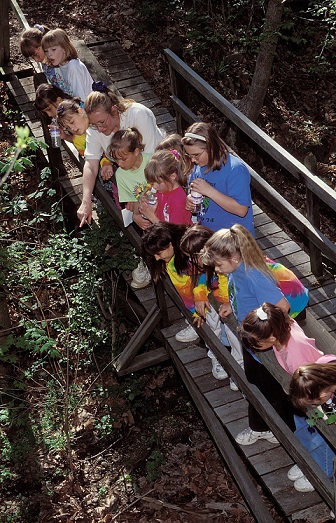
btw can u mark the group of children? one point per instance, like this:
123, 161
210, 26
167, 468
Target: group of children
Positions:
215, 264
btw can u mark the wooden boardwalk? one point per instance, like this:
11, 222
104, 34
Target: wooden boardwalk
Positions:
223, 411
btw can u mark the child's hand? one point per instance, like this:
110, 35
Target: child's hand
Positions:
106, 171
130, 206
148, 210
190, 206
141, 222
225, 310
201, 186
198, 321
201, 306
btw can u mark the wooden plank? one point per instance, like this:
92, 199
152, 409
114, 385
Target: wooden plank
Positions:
219, 397
226, 448
199, 367
326, 292
19, 14
96, 70
187, 355
271, 460
232, 411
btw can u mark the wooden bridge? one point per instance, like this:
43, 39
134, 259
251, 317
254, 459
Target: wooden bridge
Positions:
224, 412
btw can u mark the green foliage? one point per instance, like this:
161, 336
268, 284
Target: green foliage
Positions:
154, 462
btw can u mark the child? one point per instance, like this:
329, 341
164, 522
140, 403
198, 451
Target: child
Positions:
161, 252
60, 52
48, 97
163, 173
31, 47
204, 284
315, 384
72, 118
126, 149
107, 114
222, 179
270, 326
235, 252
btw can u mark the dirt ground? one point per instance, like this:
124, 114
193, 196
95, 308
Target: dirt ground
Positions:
159, 464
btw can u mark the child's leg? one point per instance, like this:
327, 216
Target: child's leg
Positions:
257, 374
233, 342
316, 445
213, 320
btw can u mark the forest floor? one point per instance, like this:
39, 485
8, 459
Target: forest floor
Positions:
157, 462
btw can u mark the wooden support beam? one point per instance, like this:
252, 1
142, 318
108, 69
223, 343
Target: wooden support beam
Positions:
96, 70
143, 361
4, 32
138, 339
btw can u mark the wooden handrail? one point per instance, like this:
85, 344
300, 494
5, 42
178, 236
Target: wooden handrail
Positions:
316, 189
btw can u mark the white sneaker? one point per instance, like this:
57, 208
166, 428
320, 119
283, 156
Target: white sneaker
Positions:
303, 485
186, 335
249, 436
294, 473
140, 276
233, 385
217, 370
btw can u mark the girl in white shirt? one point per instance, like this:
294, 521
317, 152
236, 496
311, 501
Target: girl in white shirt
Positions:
62, 54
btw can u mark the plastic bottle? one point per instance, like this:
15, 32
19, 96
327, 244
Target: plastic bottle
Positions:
197, 199
151, 197
55, 134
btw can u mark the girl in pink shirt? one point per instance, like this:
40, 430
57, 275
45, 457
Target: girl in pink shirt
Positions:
164, 173
271, 327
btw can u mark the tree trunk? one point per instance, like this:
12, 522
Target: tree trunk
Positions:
252, 103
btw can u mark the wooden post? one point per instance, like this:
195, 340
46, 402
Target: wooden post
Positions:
179, 87
313, 215
4, 32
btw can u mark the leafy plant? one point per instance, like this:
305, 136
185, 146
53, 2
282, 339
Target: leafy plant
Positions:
154, 462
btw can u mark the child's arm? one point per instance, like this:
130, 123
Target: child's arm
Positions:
137, 217
226, 202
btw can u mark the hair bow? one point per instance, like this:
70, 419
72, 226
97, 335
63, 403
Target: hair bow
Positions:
40, 28
99, 86
262, 315
175, 153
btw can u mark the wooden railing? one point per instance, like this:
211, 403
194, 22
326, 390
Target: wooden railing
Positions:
182, 76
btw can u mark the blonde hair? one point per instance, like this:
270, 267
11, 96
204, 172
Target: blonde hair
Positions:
31, 39
162, 165
237, 240
98, 100
125, 140
212, 144
59, 37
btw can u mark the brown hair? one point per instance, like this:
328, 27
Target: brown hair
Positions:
215, 147
59, 37
125, 140
67, 108
253, 330
192, 242
156, 239
162, 165
47, 94
31, 39
309, 381
237, 240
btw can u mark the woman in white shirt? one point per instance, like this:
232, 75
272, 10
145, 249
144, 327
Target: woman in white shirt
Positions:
107, 114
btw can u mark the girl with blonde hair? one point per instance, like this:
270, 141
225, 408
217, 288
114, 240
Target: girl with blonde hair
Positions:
234, 252
164, 173
61, 54
31, 47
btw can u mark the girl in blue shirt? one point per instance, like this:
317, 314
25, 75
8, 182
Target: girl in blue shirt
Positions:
235, 252
220, 177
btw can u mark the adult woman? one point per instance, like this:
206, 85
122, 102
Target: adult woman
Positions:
107, 114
